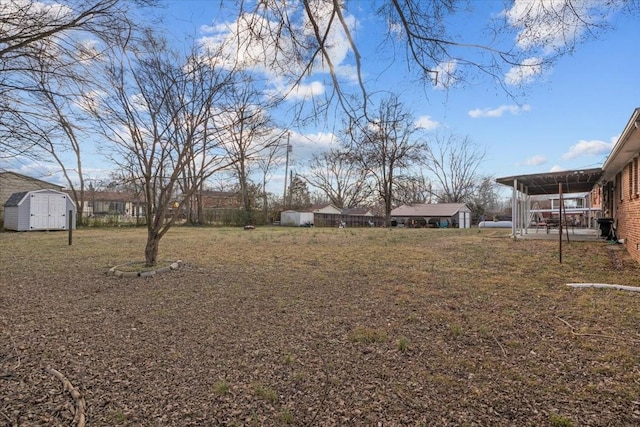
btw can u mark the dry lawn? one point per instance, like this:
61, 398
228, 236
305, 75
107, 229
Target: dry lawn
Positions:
313, 327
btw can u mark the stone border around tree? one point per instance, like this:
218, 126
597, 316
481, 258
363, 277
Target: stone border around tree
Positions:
117, 272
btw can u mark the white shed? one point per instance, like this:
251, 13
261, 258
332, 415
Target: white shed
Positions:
39, 210
295, 218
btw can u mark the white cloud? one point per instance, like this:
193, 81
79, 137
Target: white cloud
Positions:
498, 112
306, 91
425, 122
589, 148
260, 54
524, 73
553, 24
444, 77
535, 161
556, 168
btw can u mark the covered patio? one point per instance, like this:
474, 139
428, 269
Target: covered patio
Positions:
555, 185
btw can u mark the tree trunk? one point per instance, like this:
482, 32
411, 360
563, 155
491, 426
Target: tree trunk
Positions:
151, 249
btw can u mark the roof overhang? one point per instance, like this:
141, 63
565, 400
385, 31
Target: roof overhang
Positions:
627, 147
573, 181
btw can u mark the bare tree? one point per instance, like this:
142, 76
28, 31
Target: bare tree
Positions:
246, 135
65, 36
453, 163
412, 189
485, 198
296, 41
386, 147
340, 178
159, 115
269, 158
50, 119
298, 194
48, 51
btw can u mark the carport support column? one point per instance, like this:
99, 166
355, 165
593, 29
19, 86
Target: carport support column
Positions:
523, 210
561, 207
514, 208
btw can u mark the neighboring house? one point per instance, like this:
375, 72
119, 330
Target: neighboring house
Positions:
577, 209
325, 209
12, 182
220, 199
361, 211
619, 187
123, 203
441, 215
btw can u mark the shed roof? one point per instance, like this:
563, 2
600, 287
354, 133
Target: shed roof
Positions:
573, 181
428, 209
15, 198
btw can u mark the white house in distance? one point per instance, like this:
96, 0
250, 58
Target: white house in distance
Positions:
439, 215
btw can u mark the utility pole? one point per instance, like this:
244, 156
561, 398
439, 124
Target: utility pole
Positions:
286, 173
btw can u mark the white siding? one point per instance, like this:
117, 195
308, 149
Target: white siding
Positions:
40, 210
11, 218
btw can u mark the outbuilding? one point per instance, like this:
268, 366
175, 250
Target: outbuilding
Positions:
439, 215
296, 219
39, 210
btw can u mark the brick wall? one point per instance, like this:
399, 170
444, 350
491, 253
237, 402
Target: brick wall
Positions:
628, 208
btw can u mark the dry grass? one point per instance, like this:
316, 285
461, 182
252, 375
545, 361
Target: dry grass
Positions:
318, 327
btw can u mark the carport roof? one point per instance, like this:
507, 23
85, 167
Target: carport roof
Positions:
430, 209
573, 181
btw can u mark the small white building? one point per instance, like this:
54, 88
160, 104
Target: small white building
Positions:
39, 210
296, 219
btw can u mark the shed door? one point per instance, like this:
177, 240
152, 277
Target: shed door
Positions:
48, 212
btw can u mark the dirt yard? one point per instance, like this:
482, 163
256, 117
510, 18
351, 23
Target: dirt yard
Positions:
317, 327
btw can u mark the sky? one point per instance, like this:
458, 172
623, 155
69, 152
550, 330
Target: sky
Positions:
565, 117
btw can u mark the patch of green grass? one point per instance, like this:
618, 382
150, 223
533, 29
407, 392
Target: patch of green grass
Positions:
288, 359
368, 335
412, 318
403, 344
266, 393
455, 330
560, 421
286, 417
221, 388
118, 417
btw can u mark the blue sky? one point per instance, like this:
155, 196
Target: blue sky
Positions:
568, 117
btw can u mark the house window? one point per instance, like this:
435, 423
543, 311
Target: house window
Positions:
630, 180
636, 176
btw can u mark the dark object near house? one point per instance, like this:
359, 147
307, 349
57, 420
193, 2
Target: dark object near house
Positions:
606, 227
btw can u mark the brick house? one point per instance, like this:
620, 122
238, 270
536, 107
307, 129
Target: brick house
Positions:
619, 187
212, 199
